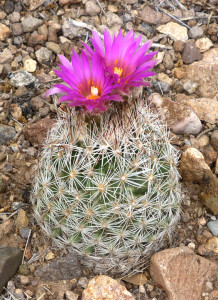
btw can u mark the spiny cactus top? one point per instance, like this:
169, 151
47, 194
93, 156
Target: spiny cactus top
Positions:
110, 191
98, 77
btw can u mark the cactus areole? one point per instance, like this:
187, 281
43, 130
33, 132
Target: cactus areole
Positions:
108, 189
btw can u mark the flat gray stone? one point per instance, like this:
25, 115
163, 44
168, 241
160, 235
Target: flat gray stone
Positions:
30, 24
10, 259
63, 268
22, 78
70, 30
7, 133
213, 226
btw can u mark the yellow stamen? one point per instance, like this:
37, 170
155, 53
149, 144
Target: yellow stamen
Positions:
118, 71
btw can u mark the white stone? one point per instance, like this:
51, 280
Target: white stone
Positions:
175, 31
30, 65
204, 44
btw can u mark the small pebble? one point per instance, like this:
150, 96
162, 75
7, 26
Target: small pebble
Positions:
83, 282
196, 32
24, 280
23, 269
213, 226
24, 232
50, 255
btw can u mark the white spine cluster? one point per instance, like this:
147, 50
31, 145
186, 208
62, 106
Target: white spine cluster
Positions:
111, 191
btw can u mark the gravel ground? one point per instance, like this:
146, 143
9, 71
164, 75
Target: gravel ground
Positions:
32, 34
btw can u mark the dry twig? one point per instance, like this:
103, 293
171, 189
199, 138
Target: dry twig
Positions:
91, 28
26, 245
99, 4
173, 17
205, 131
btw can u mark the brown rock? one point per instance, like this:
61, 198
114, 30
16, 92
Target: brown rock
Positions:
36, 103
138, 279
34, 4
205, 73
36, 39
105, 288
210, 155
193, 166
210, 247
205, 108
36, 133
6, 227
214, 295
43, 30
181, 273
64, 2
5, 32
52, 34
181, 119
178, 46
22, 219
153, 17
6, 56
44, 78
214, 140
191, 53
17, 29
179, 73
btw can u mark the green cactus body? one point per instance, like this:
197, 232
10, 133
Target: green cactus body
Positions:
111, 191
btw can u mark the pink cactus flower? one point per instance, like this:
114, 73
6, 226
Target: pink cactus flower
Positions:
125, 59
88, 85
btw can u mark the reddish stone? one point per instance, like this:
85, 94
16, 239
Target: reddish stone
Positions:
191, 53
36, 133
181, 273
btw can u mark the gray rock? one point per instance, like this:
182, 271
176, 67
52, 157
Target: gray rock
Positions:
214, 139
30, 24
162, 87
113, 19
18, 40
148, 28
70, 31
53, 47
10, 259
190, 86
191, 53
92, 9
64, 268
44, 56
17, 29
15, 17
7, 133
195, 32
213, 226
168, 61
24, 232
22, 78
6, 56
180, 119
71, 295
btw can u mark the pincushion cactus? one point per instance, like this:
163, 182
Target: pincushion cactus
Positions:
111, 190
108, 188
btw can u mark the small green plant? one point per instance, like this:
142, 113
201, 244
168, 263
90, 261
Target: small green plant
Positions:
111, 190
